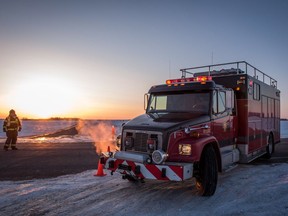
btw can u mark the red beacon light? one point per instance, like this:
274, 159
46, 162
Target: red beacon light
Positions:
201, 79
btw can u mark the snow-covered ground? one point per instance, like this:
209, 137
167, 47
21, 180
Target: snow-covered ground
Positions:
246, 190
254, 189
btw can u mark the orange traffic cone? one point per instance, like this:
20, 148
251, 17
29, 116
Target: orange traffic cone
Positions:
108, 149
100, 171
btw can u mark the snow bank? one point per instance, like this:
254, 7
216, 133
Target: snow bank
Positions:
246, 190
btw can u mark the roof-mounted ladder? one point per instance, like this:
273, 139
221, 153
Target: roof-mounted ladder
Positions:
242, 67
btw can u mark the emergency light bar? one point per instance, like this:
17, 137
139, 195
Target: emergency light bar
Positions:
188, 80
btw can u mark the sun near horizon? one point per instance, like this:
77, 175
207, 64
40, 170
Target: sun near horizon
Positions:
52, 97
104, 113
97, 115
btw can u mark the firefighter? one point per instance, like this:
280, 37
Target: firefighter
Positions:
11, 126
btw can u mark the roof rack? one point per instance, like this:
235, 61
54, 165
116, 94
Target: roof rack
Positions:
242, 67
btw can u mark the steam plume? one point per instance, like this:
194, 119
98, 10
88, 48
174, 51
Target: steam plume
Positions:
102, 133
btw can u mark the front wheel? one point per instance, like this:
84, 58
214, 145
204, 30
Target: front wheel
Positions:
206, 180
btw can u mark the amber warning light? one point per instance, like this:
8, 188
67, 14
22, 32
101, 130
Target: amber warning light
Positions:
201, 79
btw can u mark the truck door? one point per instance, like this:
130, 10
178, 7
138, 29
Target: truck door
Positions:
222, 111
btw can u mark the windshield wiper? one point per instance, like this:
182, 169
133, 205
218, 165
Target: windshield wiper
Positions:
153, 112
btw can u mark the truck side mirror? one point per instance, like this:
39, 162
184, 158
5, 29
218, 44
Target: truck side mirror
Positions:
146, 97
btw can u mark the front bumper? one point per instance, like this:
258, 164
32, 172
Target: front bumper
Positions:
135, 165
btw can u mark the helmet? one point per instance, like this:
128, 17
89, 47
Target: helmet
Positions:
12, 111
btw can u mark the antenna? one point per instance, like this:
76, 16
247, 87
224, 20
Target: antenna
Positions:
169, 68
212, 58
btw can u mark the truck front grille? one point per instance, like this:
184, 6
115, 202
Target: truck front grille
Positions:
140, 143
138, 140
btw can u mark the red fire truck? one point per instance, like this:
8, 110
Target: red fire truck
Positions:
205, 122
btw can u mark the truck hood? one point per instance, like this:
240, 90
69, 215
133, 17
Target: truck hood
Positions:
148, 122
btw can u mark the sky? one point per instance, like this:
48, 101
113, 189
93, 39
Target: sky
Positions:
97, 59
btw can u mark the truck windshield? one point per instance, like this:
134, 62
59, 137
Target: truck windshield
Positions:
179, 105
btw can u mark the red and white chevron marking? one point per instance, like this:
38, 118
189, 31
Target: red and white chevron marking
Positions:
175, 172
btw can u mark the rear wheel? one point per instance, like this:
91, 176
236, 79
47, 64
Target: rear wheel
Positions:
270, 147
206, 180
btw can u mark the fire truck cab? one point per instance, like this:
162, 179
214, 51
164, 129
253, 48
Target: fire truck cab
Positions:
205, 122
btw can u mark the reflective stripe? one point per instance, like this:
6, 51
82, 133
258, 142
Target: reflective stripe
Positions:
12, 122
12, 129
172, 172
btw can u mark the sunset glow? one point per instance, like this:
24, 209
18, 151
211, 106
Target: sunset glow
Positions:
96, 59
43, 97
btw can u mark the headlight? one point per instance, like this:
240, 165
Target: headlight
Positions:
159, 156
185, 149
118, 141
128, 142
151, 144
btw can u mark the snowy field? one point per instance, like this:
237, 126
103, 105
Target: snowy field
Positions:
246, 190
254, 189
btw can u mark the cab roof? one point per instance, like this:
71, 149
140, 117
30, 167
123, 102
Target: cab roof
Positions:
190, 86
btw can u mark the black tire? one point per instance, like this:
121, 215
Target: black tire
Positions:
206, 180
269, 147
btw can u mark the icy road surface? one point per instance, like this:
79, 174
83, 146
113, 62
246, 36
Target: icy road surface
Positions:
246, 190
